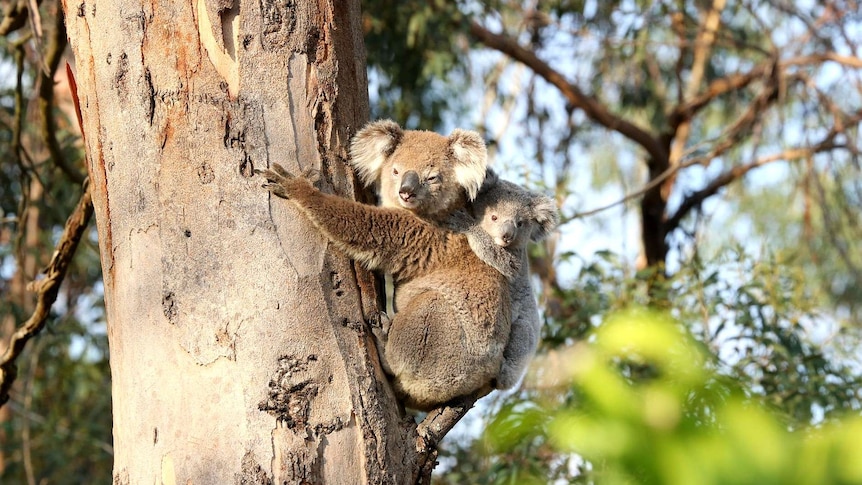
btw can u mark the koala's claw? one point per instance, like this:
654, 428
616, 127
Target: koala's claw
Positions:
276, 189
281, 171
311, 174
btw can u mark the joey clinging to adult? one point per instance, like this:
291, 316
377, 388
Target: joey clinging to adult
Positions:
424, 172
508, 217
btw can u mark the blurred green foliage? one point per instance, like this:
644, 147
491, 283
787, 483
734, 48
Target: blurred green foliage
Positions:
727, 378
60, 426
682, 424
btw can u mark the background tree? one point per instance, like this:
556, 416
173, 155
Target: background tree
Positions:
674, 101
725, 135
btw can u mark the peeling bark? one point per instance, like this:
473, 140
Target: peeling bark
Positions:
239, 344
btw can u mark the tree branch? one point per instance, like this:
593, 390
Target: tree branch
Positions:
14, 17
696, 199
594, 109
47, 290
434, 427
687, 110
54, 48
735, 82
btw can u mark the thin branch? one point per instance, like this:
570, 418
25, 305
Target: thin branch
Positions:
14, 17
716, 88
826, 144
653, 183
54, 48
434, 427
735, 82
594, 109
47, 289
696, 199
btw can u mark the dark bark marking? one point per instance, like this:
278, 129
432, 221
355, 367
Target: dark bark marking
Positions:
140, 201
155, 436
233, 138
228, 15
251, 472
149, 96
335, 281
290, 391
205, 173
246, 167
313, 44
169, 307
120, 77
279, 22
121, 477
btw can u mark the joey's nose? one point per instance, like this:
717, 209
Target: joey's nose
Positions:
508, 233
409, 184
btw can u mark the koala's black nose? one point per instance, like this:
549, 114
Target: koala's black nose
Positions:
409, 185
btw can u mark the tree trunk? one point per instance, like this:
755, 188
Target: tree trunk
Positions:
239, 349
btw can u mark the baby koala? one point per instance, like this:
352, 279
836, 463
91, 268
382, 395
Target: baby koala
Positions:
506, 218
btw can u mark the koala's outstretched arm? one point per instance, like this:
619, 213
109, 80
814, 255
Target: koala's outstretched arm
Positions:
391, 240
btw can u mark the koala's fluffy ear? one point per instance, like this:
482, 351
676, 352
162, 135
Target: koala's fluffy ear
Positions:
370, 147
471, 160
545, 216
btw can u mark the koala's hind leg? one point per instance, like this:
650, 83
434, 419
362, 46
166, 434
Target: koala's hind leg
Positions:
428, 355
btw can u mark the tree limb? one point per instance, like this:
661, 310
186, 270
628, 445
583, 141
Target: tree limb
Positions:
594, 109
434, 427
14, 17
54, 47
734, 82
716, 88
47, 289
696, 199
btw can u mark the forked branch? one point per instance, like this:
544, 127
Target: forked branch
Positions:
47, 290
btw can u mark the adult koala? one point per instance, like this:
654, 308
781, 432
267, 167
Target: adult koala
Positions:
454, 319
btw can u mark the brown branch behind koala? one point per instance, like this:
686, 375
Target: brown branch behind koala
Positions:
434, 427
47, 289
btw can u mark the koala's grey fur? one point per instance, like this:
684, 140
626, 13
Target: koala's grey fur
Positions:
507, 218
448, 338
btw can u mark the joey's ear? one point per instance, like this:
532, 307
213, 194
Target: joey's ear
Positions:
370, 147
471, 160
545, 216
491, 179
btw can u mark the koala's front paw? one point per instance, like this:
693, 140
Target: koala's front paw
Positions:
507, 262
276, 189
460, 221
280, 182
